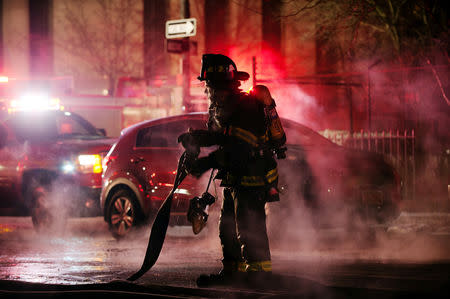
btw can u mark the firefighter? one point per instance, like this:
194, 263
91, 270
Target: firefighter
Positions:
248, 132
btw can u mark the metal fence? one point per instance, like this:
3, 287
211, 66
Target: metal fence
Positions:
395, 145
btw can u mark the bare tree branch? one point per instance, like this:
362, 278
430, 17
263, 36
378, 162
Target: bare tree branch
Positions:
104, 34
439, 82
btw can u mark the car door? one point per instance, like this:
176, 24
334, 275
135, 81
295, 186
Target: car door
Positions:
156, 155
30, 135
324, 162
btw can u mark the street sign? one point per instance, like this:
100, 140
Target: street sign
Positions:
181, 28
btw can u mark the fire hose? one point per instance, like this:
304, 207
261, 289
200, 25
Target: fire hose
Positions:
161, 222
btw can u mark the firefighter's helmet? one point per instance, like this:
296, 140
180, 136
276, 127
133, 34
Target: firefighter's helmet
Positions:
218, 67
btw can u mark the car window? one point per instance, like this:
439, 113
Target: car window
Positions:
46, 126
166, 135
67, 124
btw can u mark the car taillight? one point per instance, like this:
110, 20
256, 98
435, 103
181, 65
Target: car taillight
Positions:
90, 163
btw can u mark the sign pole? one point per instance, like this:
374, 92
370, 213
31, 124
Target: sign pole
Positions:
186, 64
182, 29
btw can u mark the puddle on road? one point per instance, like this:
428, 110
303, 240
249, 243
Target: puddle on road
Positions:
86, 251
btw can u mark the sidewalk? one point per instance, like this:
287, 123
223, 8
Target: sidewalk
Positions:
434, 223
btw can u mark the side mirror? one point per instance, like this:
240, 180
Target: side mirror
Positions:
102, 131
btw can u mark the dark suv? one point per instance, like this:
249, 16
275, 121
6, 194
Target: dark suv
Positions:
327, 178
50, 165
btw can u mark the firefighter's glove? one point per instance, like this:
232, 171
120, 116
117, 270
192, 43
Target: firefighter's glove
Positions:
200, 166
190, 145
187, 139
200, 138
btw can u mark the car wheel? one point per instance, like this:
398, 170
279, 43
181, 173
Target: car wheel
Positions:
123, 213
47, 216
388, 211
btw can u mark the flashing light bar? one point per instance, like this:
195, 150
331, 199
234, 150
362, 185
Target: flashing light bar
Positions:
33, 102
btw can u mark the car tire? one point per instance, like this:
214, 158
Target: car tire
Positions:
47, 215
389, 210
123, 213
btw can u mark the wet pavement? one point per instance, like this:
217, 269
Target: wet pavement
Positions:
411, 256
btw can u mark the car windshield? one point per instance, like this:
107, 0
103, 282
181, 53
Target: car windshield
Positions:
301, 135
51, 125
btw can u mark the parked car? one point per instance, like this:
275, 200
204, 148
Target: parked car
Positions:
140, 168
50, 164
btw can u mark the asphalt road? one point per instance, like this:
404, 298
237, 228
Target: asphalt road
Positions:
408, 258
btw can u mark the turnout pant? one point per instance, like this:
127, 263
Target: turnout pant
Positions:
242, 230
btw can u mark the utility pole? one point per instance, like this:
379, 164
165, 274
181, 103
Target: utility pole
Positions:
186, 62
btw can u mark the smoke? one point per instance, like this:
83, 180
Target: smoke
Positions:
47, 207
295, 103
50, 200
330, 229
401, 98
298, 228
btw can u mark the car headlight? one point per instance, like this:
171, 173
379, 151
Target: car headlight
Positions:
90, 163
68, 167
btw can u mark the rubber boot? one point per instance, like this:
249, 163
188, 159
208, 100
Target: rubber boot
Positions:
228, 276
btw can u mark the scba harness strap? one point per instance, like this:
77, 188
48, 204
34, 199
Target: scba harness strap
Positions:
256, 142
248, 136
